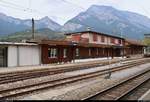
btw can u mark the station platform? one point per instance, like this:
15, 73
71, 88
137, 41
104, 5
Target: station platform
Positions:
77, 62
146, 96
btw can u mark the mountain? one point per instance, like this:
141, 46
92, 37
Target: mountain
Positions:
44, 33
103, 19
10, 25
109, 20
46, 22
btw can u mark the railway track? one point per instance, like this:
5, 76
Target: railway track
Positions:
27, 89
123, 89
19, 76
138, 92
59, 69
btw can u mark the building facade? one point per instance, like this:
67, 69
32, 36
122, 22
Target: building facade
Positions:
88, 44
79, 45
95, 37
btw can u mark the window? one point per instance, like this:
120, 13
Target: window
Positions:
77, 52
89, 52
65, 53
103, 39
52, 52
95, 38
120, 41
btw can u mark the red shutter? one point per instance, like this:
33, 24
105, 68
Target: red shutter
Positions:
76, 37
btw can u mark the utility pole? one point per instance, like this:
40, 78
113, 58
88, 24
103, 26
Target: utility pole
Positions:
33, 33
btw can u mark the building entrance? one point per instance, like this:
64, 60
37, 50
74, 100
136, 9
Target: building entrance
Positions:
3, 57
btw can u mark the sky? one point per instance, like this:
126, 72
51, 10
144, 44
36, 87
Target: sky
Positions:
61, 11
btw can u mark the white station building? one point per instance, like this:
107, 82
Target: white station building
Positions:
19, 54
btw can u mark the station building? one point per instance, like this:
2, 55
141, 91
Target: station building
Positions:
87, 44
78, 45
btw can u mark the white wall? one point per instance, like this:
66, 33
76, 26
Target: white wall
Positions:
27, 55
12, 56
99, 41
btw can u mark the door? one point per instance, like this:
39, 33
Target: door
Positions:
3, 57
117, 52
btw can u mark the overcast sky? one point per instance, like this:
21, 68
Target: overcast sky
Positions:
63, 10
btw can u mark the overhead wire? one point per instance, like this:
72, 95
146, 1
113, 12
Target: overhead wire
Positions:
15, 5
12, 7
11, 3
7, 5
24, 9
74, 4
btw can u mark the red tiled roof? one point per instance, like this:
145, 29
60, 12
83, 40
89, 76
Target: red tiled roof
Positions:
73, 33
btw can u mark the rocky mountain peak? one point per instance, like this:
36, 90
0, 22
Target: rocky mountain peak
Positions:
46, 18
98, 8
16, 25
107, 19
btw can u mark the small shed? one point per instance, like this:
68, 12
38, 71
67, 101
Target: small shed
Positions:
19, 54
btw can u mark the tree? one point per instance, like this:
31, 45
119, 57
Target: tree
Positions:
147, 41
